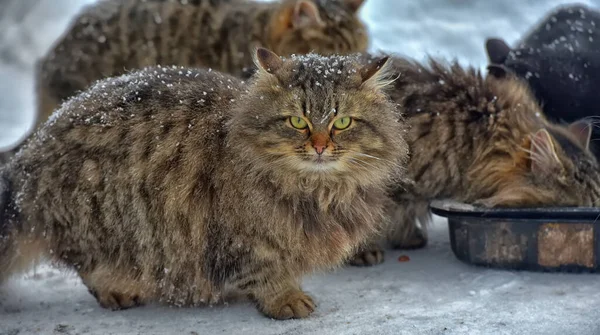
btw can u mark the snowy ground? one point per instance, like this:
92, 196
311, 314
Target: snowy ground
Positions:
432, 294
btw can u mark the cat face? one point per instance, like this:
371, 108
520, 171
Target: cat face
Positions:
562, 162
325, 27
559, 170
326, 116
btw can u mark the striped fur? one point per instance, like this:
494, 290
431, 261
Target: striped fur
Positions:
184, 185
470, 140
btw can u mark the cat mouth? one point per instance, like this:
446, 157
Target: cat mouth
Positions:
319, 164
322, 160
322, 165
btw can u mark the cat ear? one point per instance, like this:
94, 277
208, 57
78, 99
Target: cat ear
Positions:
354, 5
376, 74
306, 14
497, 50
582, 131
268, 60
543, 154
497, 71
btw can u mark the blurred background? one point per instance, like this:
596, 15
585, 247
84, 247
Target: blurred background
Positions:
414, 28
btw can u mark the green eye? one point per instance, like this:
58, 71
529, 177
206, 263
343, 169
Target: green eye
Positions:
298, 122
342, 123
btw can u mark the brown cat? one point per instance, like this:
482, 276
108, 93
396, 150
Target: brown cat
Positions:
115, 36
484, 141
180, 185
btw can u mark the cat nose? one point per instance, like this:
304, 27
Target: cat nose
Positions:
319, 148
319, 141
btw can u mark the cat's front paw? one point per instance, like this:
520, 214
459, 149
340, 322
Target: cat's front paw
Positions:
368, 256
116, 301
113, 290
487, 203
294, 304
415, 239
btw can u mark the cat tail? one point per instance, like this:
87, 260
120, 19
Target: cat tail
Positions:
17, 251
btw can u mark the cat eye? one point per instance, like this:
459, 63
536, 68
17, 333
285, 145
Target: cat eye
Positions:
342, 123
298, 122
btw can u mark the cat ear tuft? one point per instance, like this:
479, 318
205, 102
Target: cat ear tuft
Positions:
543, 155
306, 14
267, 60
497, 50
582, 130
376, 74
354, 5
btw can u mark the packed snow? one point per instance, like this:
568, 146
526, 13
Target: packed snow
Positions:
432, 293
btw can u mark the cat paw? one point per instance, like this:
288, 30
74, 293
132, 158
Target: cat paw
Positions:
369, 256
486, 203
294, 304
116, 301
416, 240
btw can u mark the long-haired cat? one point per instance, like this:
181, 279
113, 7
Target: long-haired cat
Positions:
484, 141
179, 185
112, 37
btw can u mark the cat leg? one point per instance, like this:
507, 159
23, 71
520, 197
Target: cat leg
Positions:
405, 232
114, 289
371, 252
368, 255
205, 293
276, 294
287, 302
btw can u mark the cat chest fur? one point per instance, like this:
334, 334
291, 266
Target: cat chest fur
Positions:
302, 230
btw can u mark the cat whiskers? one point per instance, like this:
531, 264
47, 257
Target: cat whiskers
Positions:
594, 121
538, 156
369, 156
364, 164
533, 156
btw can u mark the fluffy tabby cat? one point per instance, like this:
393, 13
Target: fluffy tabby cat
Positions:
175, 185
484, 141
115, 36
